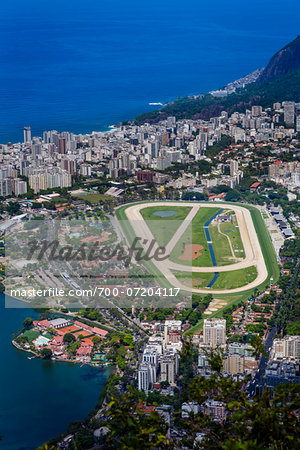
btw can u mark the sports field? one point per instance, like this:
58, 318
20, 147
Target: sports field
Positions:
192, 249
94, 198
216, 248
195, 235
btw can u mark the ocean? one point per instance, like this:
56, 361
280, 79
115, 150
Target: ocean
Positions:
38, 399
82, 66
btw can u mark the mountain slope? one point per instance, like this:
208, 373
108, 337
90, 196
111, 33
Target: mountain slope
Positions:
284, 61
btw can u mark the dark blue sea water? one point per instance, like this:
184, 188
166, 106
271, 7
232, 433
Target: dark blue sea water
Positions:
38, 399
83, 65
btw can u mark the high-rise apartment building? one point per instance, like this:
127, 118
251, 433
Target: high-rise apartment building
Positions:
171, 121
27, 135
256, 111
287, 347
40, 180
168, 367
19, 187
85, 170
214, 332
234, 364
62, 145
5, 187
144, 377
289, 114
297, 111
234, 167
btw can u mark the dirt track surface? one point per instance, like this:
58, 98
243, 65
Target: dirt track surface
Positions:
191, 252
253, 253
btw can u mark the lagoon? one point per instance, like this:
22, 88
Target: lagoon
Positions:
38, 399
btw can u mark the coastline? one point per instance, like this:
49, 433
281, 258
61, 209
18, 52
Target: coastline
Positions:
88, 363
26, 380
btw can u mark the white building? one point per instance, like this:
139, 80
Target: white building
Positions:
5, 187
169, 365
214, 332
189, 408
287, 347
19, 187
144, 377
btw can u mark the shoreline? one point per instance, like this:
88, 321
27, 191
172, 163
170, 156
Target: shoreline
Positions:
109, 128
100, 366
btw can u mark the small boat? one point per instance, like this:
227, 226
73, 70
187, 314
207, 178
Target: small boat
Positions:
31, 357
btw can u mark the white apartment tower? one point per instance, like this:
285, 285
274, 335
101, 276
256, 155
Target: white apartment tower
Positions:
289, 114
234, 167
168, 368
297, 116
144, 377
214, 332
27, 135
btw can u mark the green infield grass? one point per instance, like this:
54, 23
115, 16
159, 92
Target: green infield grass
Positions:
226, 280
195, 234
163, 227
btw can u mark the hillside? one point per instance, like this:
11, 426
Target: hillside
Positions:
280, 81
283, 62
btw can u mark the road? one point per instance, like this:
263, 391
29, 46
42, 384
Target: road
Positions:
256, 382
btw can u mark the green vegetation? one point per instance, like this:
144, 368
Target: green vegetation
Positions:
95, 198
69, 338
266, 246
226, 280
270, 260
71, 349
27, 323
31, 335
130, 235
268, 421
235, 278
195, 234
221, 246
233, 232
288, 320
195, 280
46, 353
163, 228
207, 106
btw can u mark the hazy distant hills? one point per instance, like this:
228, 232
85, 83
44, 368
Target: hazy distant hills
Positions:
279, 81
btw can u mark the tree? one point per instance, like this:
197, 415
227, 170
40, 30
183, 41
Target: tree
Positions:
96, 340
46, 353
27, 323
13, 208
69, 338
131, 428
